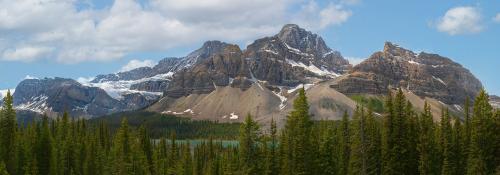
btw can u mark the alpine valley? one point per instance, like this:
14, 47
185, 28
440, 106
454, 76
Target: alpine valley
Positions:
221, 81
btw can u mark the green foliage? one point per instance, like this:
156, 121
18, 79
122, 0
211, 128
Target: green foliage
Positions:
164, 125
399, 141
373, 102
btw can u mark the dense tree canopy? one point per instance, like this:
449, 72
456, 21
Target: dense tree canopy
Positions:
400, 140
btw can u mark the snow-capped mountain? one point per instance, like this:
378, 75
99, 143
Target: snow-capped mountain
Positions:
221, 81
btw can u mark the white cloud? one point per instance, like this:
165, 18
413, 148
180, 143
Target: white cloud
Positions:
70, 34
497, 18
461, 20
355, 60
27, 53
313, 17
133, 64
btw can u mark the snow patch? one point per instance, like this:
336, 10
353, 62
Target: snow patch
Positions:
255, 80
271, 51
439, 79
414, 62
116, 89
233, 116
306, 87
458, 107
437, 66
281, 97
312, 68
29, 77
328, 53
187, 111
297, 51
36, 104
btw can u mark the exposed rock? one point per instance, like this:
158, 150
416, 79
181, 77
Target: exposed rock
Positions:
219, 69
426, 75
60, 95
150, 86
292, 55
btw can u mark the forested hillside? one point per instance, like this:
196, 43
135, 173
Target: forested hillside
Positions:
399, 141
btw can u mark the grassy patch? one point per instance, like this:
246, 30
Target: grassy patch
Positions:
376, 103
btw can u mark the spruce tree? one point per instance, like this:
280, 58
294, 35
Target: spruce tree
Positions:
358, 158
374, 144
482, 149
44, 148
427, 144
446, 144
344, 145
272, 161
298, 130
248, 140
8, 133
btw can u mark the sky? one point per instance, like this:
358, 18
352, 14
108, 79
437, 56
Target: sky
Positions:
84, 38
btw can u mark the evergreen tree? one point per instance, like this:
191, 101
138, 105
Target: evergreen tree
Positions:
358, 158
44, 149
482, 148
145, 144
3, 169
327, 156
249, 136
427, 143
446, 143
374, 141
272, 162
388, 139
8, 133
297, 130
344, 145
121, 159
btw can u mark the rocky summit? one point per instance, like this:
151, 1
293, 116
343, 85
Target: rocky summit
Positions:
220, 81
425, 74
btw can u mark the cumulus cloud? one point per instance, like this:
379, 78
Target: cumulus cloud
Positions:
68, 33
25, 53
461, 20
314, 17
133, 64
497, 18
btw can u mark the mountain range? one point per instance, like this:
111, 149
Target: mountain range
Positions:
220, 81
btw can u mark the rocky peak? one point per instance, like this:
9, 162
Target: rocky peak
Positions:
305, 41
209, 48
426, 75
396, 50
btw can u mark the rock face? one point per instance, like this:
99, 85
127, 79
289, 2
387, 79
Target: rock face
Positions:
59, 95
424, 74
289, 58
150, 86
292, 55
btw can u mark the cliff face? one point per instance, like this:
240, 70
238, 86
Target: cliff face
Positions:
425, 74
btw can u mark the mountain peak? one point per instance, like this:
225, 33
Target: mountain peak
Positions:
396, 50
305, 41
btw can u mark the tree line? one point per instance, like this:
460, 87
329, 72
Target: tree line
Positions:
399, 141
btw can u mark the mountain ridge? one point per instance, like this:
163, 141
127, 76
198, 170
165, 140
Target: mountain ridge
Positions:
267, 71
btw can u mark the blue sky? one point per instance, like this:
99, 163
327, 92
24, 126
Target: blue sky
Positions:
66, 38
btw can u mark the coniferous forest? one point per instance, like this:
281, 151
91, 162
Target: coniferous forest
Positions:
399, 141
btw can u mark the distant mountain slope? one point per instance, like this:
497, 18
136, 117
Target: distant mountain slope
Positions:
426, 75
